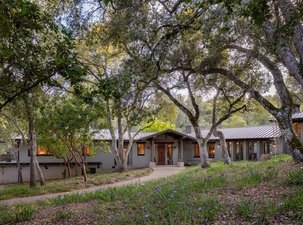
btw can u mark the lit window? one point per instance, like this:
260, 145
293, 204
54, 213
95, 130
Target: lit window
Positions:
297, 129
169, 151
141, 149
42, 151
211, 150
197, 152
87, 150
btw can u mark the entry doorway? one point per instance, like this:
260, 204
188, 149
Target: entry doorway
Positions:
161, 154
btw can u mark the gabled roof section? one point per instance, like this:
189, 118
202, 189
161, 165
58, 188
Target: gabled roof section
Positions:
104, 134
170, 132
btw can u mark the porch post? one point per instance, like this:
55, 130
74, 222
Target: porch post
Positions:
258, 149
153, 153
234, 151
245, 150
180, 159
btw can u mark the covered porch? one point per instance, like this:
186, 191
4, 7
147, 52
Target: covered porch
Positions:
167, 148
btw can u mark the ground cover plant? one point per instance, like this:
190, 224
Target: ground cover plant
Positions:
65, 185
240, 193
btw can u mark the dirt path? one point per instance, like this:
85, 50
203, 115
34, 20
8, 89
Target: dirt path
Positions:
159, 172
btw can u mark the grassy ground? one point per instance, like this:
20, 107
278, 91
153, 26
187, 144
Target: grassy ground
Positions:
268, 192
65, 185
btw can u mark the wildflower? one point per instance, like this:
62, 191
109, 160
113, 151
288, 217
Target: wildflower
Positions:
159, 202
199, 209
222, 174
147, 216
145, 203
171, 196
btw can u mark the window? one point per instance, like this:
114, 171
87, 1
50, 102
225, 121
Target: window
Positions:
252, 155
297, 129
197, 152
141, 149
169, 151
41, 151
229, 147
211, 150
239, 151
87, 150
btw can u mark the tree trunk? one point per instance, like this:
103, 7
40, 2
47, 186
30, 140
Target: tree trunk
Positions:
32, 140
20, 176
120, 137
69, 173
226, 157
294, 144
40, 174
83, 167
202, 148
125, 168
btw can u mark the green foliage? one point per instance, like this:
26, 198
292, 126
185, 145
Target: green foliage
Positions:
295, 177
17, 190
158, 126
64, 214
35, 49
197, 191
63, 122
21, 212
245, 208
294, 203
63, 185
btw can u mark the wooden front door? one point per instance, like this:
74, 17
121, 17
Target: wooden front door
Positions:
161, 154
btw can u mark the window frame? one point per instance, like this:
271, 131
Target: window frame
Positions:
208, 150
41, 147
141, 143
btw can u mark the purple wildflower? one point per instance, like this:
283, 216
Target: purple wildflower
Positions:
147, 216
199, 209
222, 174
171, 196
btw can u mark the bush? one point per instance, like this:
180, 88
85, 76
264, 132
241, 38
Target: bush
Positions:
64, 214
23, 212
245, 208
295, 177
294, 203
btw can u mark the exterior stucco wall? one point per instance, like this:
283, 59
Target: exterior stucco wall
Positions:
141, 160
9, 174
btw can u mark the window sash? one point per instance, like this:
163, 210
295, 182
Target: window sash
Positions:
141, 149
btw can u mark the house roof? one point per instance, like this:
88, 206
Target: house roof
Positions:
297, 116
256, 132
239, 133
104, 134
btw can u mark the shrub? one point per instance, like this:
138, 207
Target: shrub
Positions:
294, 203
245, 208
295, 177
23, 212
64, 214
210, 208
253, 177
266, 210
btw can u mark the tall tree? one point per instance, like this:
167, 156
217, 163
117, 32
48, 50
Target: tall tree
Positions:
32, 50
217, 28
66, 127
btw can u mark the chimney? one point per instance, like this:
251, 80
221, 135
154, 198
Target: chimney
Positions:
188, 129
296, 108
